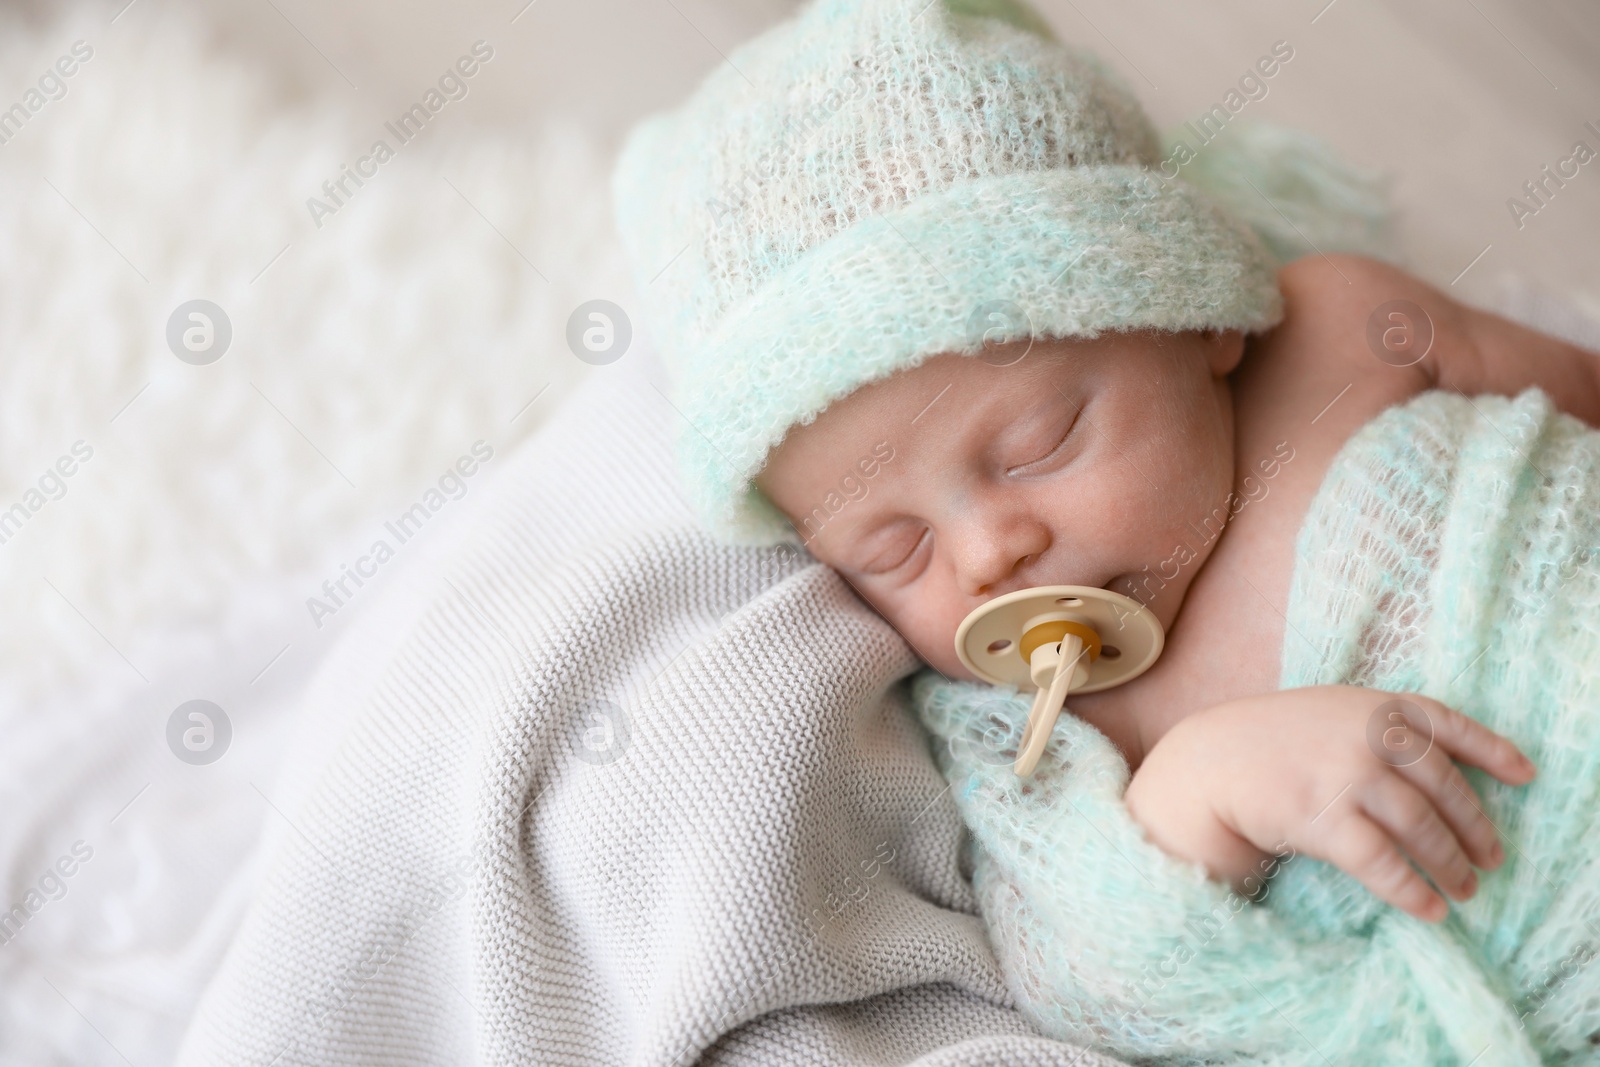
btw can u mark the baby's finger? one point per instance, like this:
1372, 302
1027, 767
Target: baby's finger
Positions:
1468, 740
1411, 819
1437, 775
1358, 846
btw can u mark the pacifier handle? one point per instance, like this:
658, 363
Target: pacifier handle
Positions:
1066, 663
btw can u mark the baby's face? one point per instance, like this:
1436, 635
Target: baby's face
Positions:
1081, 463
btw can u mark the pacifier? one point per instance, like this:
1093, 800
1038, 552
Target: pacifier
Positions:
1057, 640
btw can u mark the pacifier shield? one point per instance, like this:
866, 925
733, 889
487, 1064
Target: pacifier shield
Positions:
989, 639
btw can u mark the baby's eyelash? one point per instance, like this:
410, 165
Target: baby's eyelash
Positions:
1058, 446
903, 560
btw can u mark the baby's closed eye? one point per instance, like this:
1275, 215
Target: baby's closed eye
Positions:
897, 550
1046, 444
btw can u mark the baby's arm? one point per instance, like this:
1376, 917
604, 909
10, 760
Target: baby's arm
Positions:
1473, 351
1228, 785
1506, 358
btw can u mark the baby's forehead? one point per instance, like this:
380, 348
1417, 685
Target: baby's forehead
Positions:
945, 404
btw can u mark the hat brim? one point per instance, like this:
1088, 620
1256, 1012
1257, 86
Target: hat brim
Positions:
1070, 252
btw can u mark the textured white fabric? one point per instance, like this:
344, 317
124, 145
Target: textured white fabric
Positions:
199, 173
761, 864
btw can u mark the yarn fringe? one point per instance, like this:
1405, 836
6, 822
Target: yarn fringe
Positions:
1293, 189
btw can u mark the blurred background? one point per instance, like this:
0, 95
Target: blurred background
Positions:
356, 351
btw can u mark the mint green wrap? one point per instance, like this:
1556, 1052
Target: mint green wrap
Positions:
1450, 551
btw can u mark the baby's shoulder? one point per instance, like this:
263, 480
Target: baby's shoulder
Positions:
1362, 314
1350, 344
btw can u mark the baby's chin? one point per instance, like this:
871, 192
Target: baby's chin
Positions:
937, 649
949, 666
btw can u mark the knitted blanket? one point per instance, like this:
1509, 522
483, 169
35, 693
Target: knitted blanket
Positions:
1449, 551
587, 788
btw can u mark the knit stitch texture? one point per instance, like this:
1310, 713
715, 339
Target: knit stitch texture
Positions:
585, 789
875, 182
1449, 551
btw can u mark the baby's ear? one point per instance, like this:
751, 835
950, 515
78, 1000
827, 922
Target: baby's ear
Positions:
1224, 349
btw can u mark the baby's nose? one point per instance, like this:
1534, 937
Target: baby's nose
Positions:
1016, 579
1002, 560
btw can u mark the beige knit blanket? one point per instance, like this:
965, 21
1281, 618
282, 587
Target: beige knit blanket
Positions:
588, 788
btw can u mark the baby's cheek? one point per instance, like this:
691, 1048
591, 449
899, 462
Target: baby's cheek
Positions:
1194, 481
1130, 504
928, 624
1166, 515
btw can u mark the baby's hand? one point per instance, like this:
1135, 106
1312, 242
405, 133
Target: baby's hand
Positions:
1311, 768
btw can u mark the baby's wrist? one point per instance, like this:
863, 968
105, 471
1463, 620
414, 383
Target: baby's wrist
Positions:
1185, 811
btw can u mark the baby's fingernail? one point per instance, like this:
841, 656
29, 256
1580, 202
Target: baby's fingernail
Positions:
1435, 910
1497, 854
1469, 885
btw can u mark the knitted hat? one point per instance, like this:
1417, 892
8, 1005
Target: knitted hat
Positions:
858, 188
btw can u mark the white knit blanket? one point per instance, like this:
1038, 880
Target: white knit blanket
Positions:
592, 789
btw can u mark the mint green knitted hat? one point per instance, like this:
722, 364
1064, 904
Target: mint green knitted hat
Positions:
839, 199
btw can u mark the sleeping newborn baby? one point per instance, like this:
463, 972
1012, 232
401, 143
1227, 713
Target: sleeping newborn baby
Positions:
1177, 468
939, 305
1100, 463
